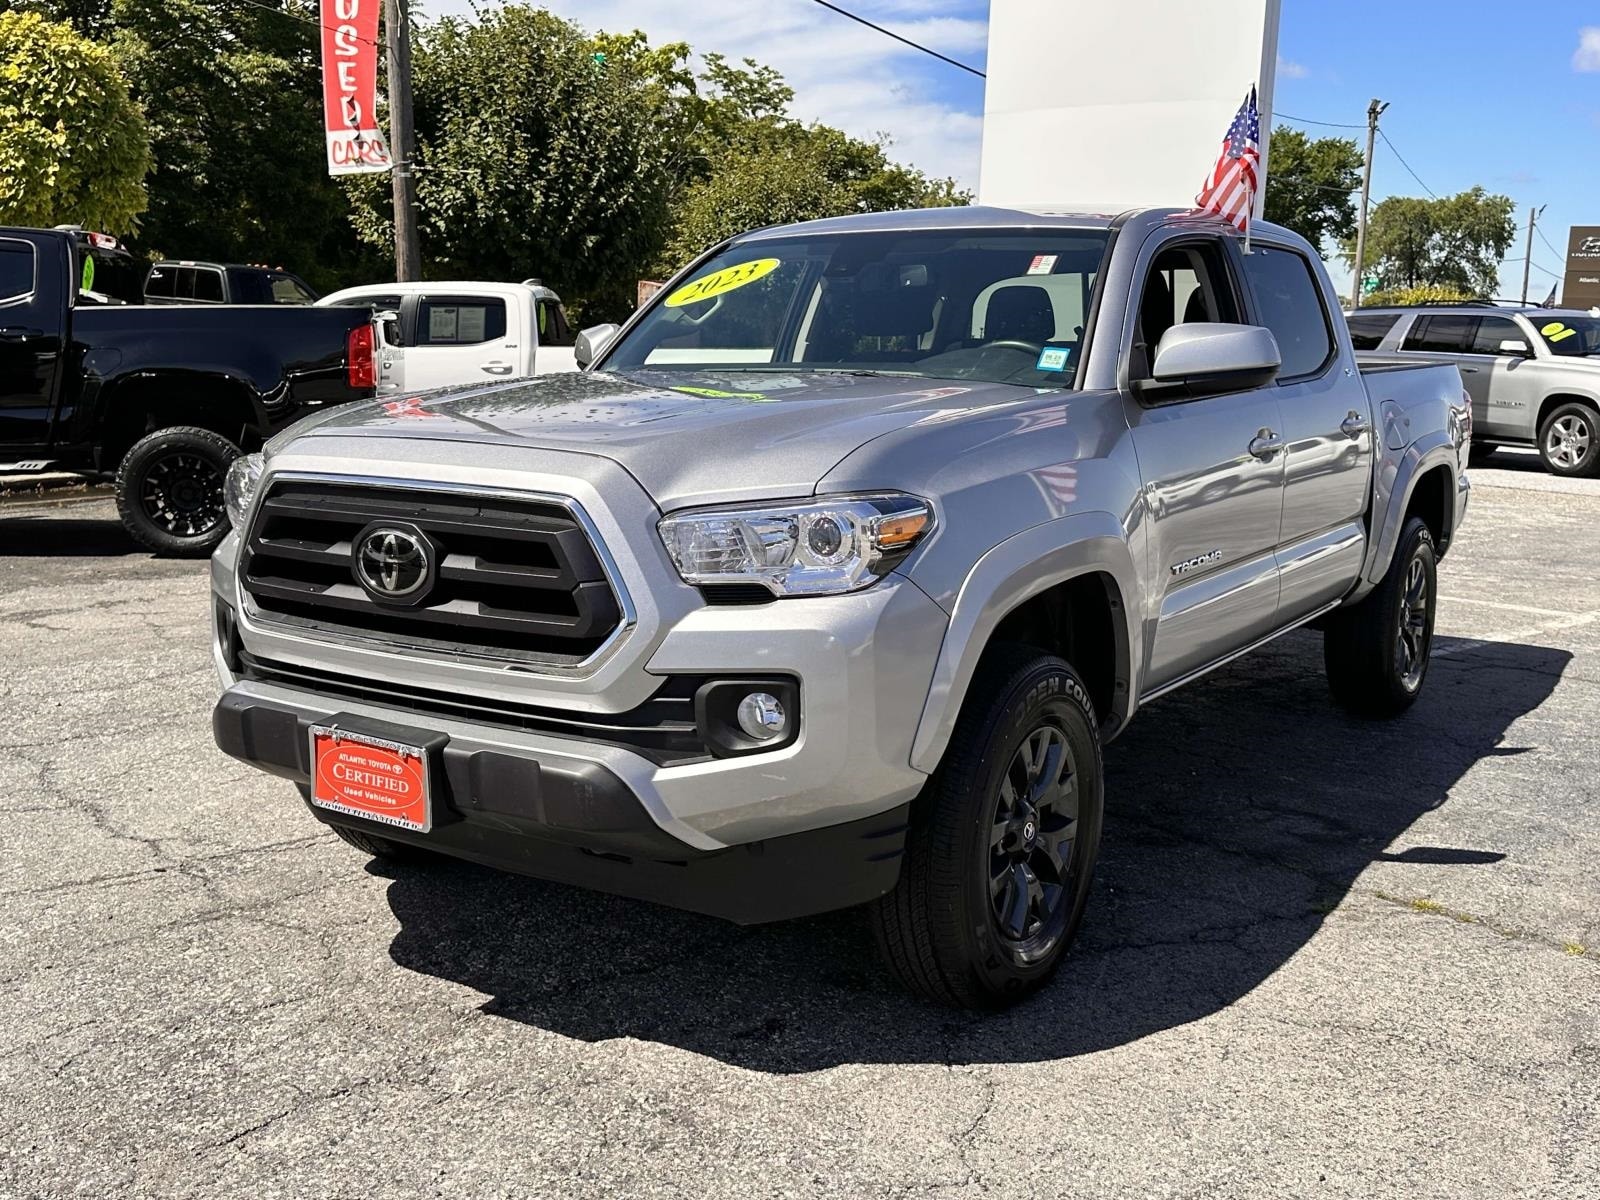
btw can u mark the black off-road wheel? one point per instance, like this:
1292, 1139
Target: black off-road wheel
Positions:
1002, 841
169, 490
1376, 652
1569, 441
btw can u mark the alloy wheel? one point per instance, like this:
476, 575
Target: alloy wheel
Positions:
1566, 442
182, 493
1414, 636
1032, 835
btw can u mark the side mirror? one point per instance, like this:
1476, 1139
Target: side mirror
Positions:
1209, 357
591, 342
388, 323
1515, 346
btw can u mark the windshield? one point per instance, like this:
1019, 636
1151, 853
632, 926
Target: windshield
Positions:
1002, 306
1569, 335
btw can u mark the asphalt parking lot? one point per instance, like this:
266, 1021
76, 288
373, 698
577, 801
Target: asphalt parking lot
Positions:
1323, 958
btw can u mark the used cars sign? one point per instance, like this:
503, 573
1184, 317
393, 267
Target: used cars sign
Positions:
350, 87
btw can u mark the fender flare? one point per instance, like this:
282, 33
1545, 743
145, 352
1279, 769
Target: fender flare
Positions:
1423, 455
112, 388
1016, 570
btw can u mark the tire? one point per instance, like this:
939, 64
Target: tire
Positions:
975, 853
1376, 652
1478, 455
1569, 441
169, 490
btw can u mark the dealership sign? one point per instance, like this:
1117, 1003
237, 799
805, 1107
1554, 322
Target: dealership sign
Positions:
350, 87
1581, 288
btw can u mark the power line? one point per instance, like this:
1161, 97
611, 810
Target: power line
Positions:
1546, 241
907, 41
294, 16
1308, 121
1407, 165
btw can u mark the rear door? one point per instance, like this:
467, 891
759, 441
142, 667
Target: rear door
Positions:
460, 339
1327, 429
1213, 481
33, 309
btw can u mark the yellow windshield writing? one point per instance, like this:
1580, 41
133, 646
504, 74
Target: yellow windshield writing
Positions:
718, 282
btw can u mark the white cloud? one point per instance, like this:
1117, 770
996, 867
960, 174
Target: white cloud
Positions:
842, 73
1587, 56
1289, 69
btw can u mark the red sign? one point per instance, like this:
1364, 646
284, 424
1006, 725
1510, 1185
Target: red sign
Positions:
350, 87
366, 777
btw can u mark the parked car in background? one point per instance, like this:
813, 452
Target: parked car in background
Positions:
1533, 373
455, 332
185, 282
164, 398
823, 585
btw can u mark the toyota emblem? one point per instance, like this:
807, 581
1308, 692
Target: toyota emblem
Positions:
393, 563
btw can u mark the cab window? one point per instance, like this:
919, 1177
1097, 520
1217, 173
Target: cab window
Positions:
1494, 330
1367, 330
452, 321
16, 270
1185, 284
1289, 302
1446, 333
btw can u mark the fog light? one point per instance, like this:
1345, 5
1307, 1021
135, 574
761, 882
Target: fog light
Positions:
762, 717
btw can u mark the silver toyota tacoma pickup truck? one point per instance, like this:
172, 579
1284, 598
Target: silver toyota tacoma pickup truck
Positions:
1533, 373
825, 581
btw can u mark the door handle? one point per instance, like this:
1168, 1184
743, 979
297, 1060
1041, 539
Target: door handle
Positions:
1354, 425
16, 333
1265, 444
496, 367
1469, 370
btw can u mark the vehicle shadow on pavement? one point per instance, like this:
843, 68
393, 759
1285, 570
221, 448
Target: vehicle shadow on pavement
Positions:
64, 537
1240, 812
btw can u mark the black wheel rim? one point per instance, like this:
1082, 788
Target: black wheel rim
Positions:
1032, 837
1415, 633
182, 494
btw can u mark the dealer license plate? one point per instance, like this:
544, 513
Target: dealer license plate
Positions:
364, 776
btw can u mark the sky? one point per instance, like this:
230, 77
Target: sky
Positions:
1479, 92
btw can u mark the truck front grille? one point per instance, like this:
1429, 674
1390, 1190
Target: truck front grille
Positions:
511, 578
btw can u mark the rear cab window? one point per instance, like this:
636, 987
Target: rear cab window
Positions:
16, 270
1367, 330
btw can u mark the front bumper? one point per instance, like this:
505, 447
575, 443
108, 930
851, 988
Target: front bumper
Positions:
577, 822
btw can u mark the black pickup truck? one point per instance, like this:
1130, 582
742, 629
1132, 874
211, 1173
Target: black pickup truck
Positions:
163, 398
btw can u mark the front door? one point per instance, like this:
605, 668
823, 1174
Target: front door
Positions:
1212, 470
1498, 371
32, 311
1327, 431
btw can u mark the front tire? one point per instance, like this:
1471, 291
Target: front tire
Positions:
1569, 441
1002, 842
1376, 652
169, 490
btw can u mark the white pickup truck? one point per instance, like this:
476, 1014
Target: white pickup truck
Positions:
455, 332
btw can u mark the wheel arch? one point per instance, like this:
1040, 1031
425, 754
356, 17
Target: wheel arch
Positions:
1063, 586
147, 401
1555, 400
1432, 458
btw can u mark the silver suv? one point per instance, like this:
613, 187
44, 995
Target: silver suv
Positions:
1533, 373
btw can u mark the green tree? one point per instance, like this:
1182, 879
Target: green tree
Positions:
1454, 242
234, 99
776, 174
73, 146
1312, 184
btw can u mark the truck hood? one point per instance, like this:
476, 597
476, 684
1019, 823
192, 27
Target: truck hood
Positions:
689, 438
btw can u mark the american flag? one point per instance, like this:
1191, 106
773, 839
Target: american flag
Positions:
1230, 189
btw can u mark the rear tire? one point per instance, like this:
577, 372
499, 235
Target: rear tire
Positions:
1478, 455
1002, 842
1569, 441
378, 847
169, 490
1376, 652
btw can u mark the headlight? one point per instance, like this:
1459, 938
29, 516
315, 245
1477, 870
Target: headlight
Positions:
239, 489
811, 548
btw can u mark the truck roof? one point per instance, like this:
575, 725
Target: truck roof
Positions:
979, 216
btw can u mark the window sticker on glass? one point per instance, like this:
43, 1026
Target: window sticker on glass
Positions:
725, 280
1557, 332
1042, 264
442, 324
470, 324
1053, 358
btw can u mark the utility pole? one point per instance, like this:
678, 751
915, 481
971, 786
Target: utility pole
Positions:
402, 142
1374, 111
1527, 260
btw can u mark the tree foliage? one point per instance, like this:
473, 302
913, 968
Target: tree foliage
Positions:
73, 146
1427, 293
1312, 184
1454, 242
